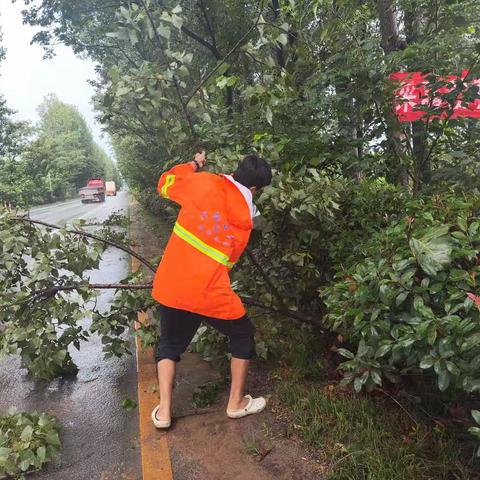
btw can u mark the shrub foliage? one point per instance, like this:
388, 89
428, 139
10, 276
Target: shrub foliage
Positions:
27, 443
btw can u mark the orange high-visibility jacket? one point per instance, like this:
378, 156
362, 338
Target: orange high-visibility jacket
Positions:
211, 232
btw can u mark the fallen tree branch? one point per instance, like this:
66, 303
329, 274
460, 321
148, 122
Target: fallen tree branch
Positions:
282, 310
100, 286
50, 292
92, 236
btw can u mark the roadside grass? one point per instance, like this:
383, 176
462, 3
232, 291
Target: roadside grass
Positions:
255, 447
366, 438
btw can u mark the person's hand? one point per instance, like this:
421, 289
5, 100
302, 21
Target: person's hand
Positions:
200, 158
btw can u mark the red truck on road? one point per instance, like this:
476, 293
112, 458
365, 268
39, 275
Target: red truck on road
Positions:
94, 191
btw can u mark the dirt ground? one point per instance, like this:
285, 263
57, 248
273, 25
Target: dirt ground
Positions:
206, 445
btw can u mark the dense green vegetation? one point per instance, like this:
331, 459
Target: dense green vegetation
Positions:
27, 443
45, 294
49, 161
373, 225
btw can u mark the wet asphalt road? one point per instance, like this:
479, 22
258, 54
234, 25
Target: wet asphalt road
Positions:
99, 438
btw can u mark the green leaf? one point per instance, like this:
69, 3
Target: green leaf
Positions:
432, 254
283, 39
357, 384
27, 433
221, 82
53, 439
345, 353
432, 333
24, 465
476, 415
129, 405
376, 377
418, 303
43, 420
133, 37
462, 223
452, 368
4, 452
384, 294
164, 31
460, 236
384, 349
123, 91
362, 348
443, 380
269, 115
42, 453
177, 21
435, 233
401, 298
427, 362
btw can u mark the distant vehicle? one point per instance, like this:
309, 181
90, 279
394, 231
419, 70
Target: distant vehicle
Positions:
94, 191
110, 189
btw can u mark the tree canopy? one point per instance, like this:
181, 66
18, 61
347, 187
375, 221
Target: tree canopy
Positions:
323, 63
49, 161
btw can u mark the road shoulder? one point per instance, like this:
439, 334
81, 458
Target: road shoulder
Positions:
155, 455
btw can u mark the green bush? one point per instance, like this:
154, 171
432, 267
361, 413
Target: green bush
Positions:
315, 225
405, 306
27, 443
364, 209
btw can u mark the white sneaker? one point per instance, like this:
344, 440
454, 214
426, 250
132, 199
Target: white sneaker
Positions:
254, 405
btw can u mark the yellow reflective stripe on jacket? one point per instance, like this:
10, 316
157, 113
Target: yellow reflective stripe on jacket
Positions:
200, 245
168, 183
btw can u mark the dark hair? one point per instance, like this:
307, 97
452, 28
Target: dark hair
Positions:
200, 147
253, 171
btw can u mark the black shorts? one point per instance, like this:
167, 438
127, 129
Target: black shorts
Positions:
178, 327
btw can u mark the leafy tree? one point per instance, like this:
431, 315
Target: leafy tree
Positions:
51, 161
16, 183
305, 83
65, 147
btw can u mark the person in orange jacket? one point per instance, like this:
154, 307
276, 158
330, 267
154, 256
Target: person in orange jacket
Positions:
192, 283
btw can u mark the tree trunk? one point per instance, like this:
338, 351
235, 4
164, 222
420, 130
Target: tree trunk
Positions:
421, 170
347, 126
278, 49
391, 42
387, 16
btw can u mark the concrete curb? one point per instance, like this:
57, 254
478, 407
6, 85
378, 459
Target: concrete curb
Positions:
155, 455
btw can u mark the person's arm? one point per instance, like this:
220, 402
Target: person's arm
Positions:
175, 183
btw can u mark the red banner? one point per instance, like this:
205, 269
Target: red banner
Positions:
413, 92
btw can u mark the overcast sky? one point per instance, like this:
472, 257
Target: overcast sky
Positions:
25, 77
